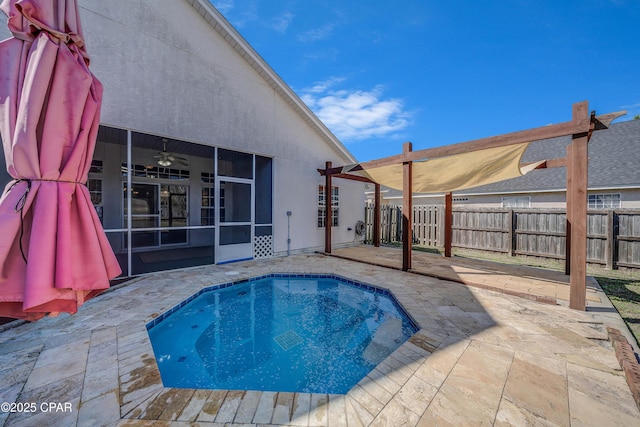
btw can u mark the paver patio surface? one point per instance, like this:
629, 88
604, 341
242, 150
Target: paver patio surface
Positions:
480, 358
534, 283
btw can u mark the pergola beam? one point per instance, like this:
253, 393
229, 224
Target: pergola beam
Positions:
604, 120
575, 126
550, 163
347, 176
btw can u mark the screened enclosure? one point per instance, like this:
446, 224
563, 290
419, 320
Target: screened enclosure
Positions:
166, 203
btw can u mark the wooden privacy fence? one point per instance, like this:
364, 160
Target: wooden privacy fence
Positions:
613, 236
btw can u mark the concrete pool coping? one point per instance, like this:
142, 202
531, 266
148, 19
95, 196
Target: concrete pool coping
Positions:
479, 357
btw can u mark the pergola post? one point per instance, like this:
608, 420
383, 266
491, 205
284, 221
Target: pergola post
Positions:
376, 216
407, 208
328, 208
578, 162
448, 224
567, 249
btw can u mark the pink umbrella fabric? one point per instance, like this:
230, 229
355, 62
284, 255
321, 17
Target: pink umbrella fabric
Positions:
54, 254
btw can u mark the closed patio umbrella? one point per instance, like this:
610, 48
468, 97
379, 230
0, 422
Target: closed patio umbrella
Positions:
54, 254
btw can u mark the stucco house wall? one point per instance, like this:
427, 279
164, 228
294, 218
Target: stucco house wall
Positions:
167, 71
176, 69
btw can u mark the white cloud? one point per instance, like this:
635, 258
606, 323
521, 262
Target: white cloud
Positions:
632, 111
354, 115
316, 33
281, 23
325, 85
238, 16
223, 6
630, 106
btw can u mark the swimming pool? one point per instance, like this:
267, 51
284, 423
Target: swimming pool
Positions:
310, 333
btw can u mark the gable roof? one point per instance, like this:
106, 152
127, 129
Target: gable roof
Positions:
240, 45
614, 156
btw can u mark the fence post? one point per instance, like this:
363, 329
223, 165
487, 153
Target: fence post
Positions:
407, 208
433, 226
512, 237
448, 224
611, 239
440, 228
366, 223
376, 216
387, 224
398, 222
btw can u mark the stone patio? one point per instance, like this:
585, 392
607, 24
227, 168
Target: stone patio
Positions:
480, 358
548, 286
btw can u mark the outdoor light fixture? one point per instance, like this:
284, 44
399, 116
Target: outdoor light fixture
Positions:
164, 162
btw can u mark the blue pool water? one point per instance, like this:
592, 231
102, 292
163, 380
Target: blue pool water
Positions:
313, 334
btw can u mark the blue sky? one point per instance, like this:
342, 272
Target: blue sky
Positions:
379, 73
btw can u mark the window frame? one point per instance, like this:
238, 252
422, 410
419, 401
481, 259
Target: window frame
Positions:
322, 206
517, 205
605, 200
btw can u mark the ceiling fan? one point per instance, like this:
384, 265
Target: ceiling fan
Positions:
166, 159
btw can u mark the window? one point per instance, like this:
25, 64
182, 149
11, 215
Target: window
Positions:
516, 202
604, 201
153, 206
95, 190
156, 172
322, 205
207, 177
173, 213
96, 166
207, 211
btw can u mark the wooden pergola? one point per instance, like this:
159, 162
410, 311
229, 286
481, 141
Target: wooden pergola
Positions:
581, 127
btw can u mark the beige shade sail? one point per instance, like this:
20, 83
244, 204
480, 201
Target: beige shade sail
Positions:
458, 171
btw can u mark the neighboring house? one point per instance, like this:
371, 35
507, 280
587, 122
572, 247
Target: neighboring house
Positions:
204, 154
614, 176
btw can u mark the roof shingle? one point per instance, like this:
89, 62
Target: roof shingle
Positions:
614, 161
